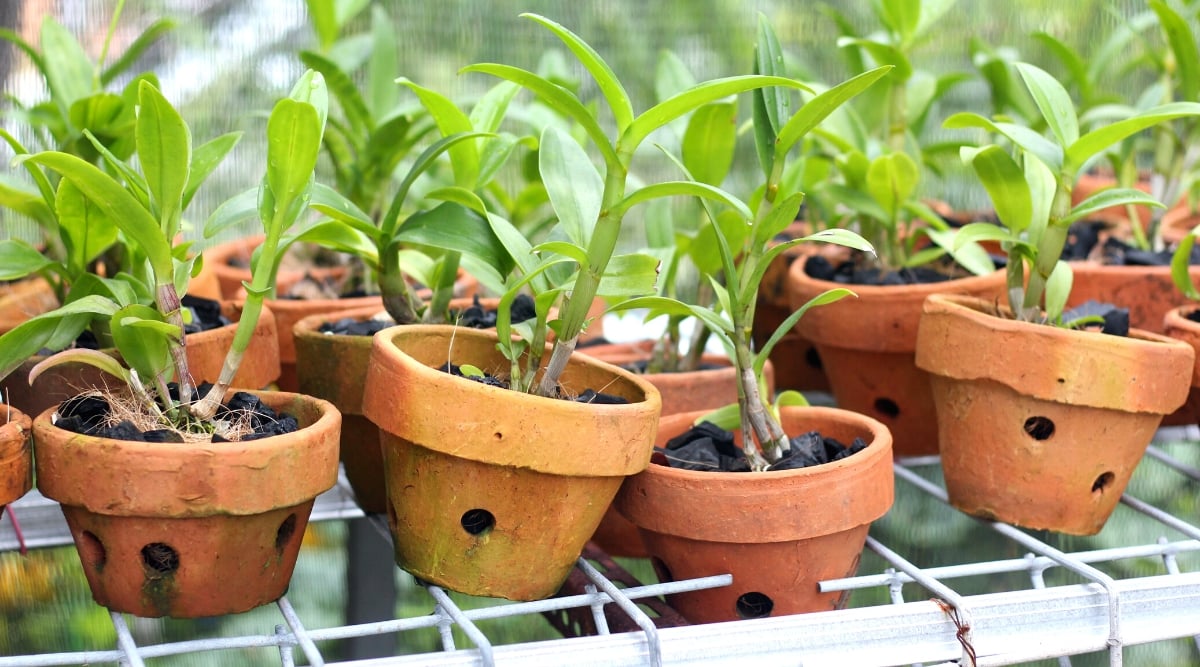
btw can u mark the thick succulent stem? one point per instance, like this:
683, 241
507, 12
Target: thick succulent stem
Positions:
167, 301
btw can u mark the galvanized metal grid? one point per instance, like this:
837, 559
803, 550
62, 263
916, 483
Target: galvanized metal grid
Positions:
943, 628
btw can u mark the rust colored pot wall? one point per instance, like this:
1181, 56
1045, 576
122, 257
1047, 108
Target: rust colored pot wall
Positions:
1039, 426
205, 353
866, 345
23, 299
16, 455
493, 492
233, 514
778, 533
1178, 326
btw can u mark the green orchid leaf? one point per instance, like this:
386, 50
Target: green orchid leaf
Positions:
709, 142
1107, 198
688, 189
891, 180
85, 230
1005, 183
671, 76
705, 248
35, 56
494, 156
1053, 101
330, 202
827, 297
1180, 268
1058, 290
205, 159
121, 290
1071, 61
1082, 150
342, 86
614, 93
238, 208
16, 196
142, 336
461, 196
293, 144
449, 226
118, 205
726, 417
784, 213
924, 256
488, 112
968, 254
1183, 47
838, 236
709, 91
426, 160
900, 16
658, 306
574, 185
98, 112
856, 200
514, 242
164, 147
575, 253
18, 259
816, 110
629, 275
1045, 150
135, 183
60, 325
338, 236
66, 65
383, 64
768, 61
464, 155
977, 232
134, 51
791, 398
557, 98
93, 358
881, 53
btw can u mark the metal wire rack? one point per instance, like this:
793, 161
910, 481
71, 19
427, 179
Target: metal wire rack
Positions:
1103, 612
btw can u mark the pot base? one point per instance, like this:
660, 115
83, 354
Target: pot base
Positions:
153, 567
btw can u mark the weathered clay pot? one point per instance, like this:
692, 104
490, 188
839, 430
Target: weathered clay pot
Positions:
205, 352
332, 367
16, 460
22, 299
1039, 426
493, 492
778, 533
186, 531
691, 391
867, 343
1177, 325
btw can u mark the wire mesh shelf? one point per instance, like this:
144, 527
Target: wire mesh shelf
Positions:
1101, 609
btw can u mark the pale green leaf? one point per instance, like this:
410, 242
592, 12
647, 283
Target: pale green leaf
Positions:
1005, 183
574, 185
164, 148
709, 142
1053, 101
820, 107
18, 259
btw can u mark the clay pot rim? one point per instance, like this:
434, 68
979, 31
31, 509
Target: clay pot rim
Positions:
386, 352
1169, 359
1123, 271
1178, 317
309, 325
880, 445
149, 457
15, 454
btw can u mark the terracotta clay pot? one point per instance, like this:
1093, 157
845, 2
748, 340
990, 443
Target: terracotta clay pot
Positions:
867, 345
189, 531
205, 352
332, 367
1039, 426
778, 533
691, 391
22, 299
16, 460
1177, 325
230, 261
493, 492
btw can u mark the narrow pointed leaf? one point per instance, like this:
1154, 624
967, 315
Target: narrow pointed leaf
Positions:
18, 259
688, 189
1005, 184
141, 335
1108, 198
1053, 101
818, 108
572, 182
139, 46
1079, 152
1183, 46
164, 147
205, 159
464, 155
1032, 142
827, 297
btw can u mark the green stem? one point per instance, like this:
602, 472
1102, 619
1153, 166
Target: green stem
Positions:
398, 299
167, 301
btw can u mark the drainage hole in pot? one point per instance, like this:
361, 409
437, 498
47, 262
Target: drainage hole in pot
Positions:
754, 605
813, 359
1039, 428
887, 407
662, 571
477, 521
159, 558
1102, 482
91, 550
285, 532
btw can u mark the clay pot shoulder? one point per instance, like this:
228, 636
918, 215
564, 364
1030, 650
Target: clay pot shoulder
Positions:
16, 455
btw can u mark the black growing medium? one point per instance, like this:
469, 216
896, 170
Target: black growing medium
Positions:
707, 447
86, 414
1116, 319
475, 316
853, 273
1084, 241
588, 396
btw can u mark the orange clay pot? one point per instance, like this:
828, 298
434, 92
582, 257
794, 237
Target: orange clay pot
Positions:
1177, 325
867, 345
231, 276
196, 530
777, 533
16, 456
493, 492
1042, 427
22, 299
205, 353
690, 391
